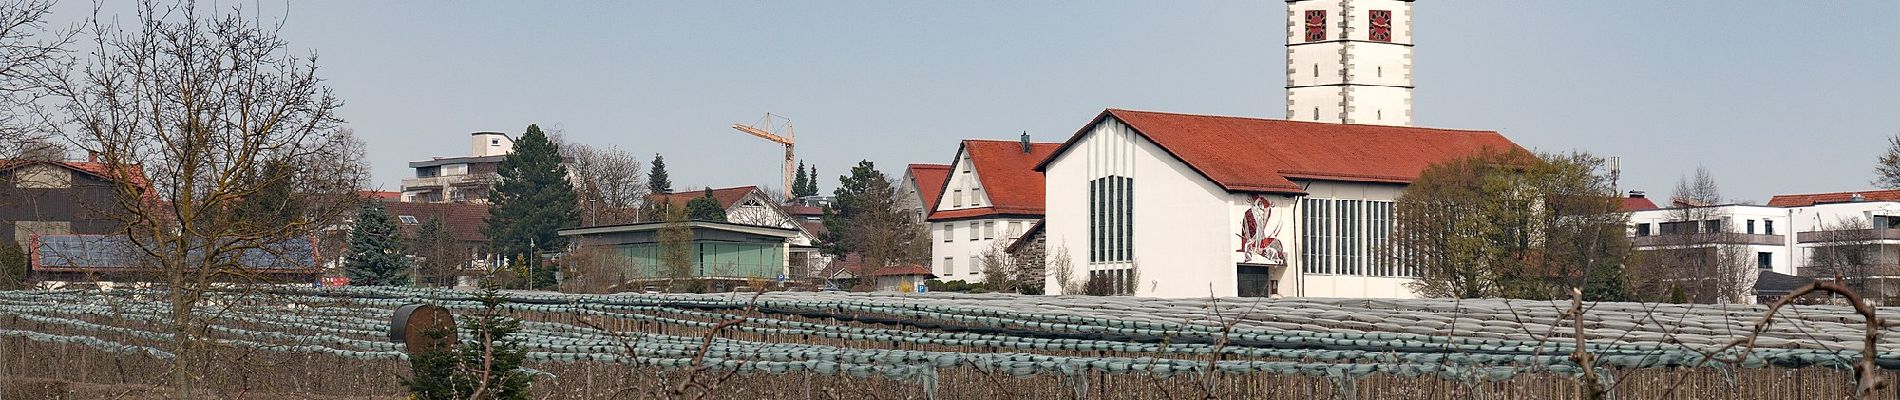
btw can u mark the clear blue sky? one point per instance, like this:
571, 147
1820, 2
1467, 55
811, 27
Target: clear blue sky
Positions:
1772, 97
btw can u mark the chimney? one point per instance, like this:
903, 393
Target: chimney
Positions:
1025, 142
1636, 194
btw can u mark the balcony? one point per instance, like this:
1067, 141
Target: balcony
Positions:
1849, 235
1695, 239
439, 182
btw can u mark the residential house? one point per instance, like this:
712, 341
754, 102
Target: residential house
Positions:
850, 273
1181, 205
463, 222
1852, 235
460, 179
922, 186
991, 196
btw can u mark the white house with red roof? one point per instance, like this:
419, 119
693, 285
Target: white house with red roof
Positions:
1204, 205
922, 183
992, 194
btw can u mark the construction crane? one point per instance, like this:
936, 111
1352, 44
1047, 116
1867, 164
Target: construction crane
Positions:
777, 129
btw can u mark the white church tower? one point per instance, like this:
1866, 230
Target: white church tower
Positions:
1349, 61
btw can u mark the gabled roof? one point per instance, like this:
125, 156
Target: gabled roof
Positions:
464, 221
100, 170
1638, 204
931, 179
852, 266
1264, 155
1800, 200
1771, 282
1008, 176
727, 197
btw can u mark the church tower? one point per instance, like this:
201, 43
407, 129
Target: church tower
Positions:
1349, 61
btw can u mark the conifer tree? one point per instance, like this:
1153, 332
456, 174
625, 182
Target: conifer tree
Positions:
532, 200
811, 185
657, 181
376, 255
802, 184
705, 208
487, 339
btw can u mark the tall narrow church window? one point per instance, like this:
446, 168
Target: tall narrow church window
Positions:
1315, 25
1111, 221
1381, 26
1315, 113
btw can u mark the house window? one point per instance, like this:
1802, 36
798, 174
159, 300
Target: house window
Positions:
1015, 229
976, 197
1751, 227
1381, 26
1712, 226
1315, 25
949, 266
407, 219
1767, 227
1765, 260
973, 233
989, 230
976, 265
1642, 229
1111, 212
1678, 228
949, 233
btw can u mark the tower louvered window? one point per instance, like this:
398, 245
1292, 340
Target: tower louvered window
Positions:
1315, 25
1381, 26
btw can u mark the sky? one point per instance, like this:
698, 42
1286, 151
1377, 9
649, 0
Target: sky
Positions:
1770, 97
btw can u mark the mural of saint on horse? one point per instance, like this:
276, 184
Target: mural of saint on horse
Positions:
1260, 234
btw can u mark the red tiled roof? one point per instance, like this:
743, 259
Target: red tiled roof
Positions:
930, 181
380, 195
1264, 155
1638, 204
464, 221
1799, 200
802, 210
1008, 176
726, 196
854, 263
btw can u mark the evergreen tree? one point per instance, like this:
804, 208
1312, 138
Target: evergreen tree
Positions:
705, 208
802, 185
532, 200
376, 256
12, 266
657, 182
488, 338
811, 185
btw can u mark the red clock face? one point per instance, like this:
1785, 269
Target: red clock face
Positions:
1315, 25
1381, 26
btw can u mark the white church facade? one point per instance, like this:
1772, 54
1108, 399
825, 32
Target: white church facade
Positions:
1200, 205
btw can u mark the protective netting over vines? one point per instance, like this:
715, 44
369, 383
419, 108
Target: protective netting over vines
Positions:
912, 337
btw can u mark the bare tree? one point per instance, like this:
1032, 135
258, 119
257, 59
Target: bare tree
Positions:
30, 53
199, 115
1850, 251
999, 268
1700, 190
1887, 168
1696, 251
609, 182
1062, 270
